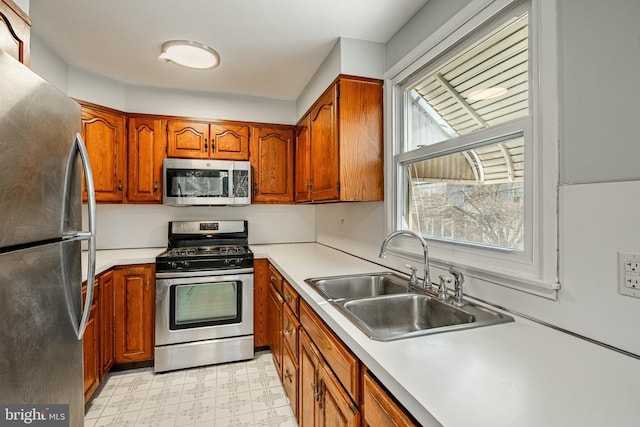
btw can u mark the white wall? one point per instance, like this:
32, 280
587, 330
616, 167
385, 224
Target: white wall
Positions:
599, 89
348, 56
144, 226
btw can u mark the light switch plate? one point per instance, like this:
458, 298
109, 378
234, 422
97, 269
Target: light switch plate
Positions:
629, 274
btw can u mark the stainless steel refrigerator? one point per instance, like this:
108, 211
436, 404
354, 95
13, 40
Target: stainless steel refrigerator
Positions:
42, 159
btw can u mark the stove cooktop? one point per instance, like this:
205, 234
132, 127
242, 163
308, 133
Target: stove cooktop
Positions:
210, 251
206, 245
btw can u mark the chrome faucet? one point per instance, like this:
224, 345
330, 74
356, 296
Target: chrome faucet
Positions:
426, 281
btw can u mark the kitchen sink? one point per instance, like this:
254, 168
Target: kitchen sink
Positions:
359, 285
385, 307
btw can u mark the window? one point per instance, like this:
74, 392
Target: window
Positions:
472, 170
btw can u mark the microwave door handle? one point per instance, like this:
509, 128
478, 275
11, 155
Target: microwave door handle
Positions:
89, 236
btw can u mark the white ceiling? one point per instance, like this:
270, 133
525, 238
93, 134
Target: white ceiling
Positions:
267, 48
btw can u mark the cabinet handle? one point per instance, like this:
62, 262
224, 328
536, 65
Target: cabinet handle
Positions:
119, 185
273, 279
206, 147
155, 187
316, 391
288, 298
287, 375
287, 331
320, 397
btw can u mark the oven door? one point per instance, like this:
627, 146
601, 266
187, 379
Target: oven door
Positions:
200, 308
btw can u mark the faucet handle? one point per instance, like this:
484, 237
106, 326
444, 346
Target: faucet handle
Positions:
414, 279
442, 289
458, 280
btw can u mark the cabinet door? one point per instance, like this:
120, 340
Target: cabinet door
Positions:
302, 187
361, 148
135, 313
290, 378
379, 409
147, 147
15, 31
107, 308
335, 407
104, 136
91, 348
275, 327
325, 163
272, 163
308, 389
261, 333
188, 139
229, 142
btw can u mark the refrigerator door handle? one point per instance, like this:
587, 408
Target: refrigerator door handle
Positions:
89, 236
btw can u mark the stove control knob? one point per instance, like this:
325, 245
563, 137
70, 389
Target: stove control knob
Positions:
227, 262
173, 265
237, 261
185, 264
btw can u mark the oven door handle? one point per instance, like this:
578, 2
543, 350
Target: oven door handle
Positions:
204, 273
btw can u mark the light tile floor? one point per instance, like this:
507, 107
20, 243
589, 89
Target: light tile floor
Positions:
240, 394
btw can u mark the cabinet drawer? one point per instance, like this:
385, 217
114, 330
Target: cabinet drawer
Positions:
344, 364
275, 278
290, 326
291, 297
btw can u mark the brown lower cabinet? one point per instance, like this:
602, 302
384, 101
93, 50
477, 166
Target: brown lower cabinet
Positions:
107, 312
378, 407
91, 343
120, 328
135, 292
326, 383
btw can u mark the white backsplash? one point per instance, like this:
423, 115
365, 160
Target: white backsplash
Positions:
145, 226
595, 222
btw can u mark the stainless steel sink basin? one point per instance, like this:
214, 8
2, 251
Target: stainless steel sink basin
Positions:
385, 308
359, 286
406, 313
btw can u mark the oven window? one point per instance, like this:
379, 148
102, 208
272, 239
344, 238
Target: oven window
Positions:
205, 304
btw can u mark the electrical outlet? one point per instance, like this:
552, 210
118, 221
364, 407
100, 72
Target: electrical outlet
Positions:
629, 274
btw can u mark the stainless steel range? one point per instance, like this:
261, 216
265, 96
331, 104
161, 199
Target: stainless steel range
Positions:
204, 295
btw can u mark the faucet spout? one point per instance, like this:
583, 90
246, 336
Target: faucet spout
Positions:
425, 250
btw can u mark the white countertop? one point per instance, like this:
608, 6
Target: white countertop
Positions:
106, 259
514, 374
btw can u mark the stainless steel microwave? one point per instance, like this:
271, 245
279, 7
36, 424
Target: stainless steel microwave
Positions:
206, 182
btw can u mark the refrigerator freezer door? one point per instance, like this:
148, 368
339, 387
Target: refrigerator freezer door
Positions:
38, 125
40, 354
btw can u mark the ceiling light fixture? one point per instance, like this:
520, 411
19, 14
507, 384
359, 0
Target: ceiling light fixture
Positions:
190, 54
487, 93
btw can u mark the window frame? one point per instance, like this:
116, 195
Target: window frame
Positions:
534, 270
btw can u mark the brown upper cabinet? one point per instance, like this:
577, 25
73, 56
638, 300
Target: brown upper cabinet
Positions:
272, 164
340, 144
104, 134
147, 150
204, 140
302, 184
15, 31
